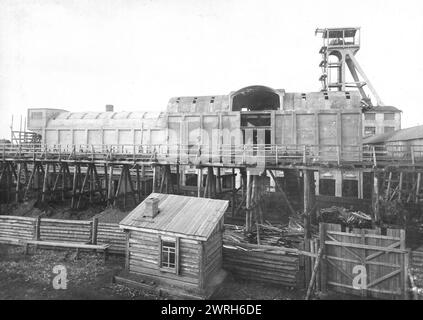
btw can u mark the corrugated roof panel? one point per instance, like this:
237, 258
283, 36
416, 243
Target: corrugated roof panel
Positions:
183, 215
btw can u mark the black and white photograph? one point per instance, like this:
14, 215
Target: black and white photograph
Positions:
230, 152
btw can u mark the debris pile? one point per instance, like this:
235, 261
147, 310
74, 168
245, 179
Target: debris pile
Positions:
289, 235
345, 217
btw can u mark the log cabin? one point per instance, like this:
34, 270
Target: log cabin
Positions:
174, 244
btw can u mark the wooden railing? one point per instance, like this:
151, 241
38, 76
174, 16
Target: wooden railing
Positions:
266, 155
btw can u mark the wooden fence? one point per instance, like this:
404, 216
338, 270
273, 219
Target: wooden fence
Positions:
15, 229
364, 262
275, 265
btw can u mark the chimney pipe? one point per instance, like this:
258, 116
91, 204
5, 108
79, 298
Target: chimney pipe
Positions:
151, 207
109, 108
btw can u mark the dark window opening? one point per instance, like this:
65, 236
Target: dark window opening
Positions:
174, 178
347, 95
367, 185
369, 116
327, 187
267, 137
226, 181
191, 180
255, 120
350, 188
303, 96
168, 254
389, 116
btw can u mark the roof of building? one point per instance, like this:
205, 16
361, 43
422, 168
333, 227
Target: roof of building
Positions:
384, 109
179, 215
412, 133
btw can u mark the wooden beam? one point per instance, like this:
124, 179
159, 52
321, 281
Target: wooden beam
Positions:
313, 275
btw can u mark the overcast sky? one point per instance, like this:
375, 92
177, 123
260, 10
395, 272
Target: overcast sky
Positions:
82, 55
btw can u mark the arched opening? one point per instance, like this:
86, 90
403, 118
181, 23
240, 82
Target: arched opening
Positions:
255, 98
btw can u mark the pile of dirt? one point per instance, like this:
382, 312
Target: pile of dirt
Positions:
51, 209
111, 215
25, 209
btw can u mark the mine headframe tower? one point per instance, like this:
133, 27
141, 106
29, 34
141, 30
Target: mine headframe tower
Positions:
338, 51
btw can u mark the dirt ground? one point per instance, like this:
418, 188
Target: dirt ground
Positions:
90, 278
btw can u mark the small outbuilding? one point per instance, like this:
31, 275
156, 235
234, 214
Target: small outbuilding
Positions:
174, 243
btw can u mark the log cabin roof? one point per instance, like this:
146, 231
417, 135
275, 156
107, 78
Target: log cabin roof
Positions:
179, 215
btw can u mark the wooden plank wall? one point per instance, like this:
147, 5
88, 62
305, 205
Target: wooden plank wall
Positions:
276, 266
213, 253
110, 233
144, 258
341, 259
65, 230
14, 229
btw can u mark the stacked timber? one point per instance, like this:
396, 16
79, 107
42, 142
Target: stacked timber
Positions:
65, 230
253, 262
289, 235
14, 228
110, 233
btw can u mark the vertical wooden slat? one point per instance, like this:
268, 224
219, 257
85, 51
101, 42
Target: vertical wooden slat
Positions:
323, 267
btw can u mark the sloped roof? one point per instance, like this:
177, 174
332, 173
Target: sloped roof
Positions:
179, 215
412, 133
384, 109
378, 138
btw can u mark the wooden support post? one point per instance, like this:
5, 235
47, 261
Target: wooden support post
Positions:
94, 227
131, 186
37, 227
118, 187
388, 188
18, 183
178, 178
206, 193
308, 207
91, 181
308, 201
110, 188
82, 190
199, 181
233, 189
323, 265
127, 233
74, 185
138, 184
419, 178
45, 182
154, 178
313, 275
162, 179
248, 201
375, 199
8, 180
125, 185
106, 182
97, 182
63, 181
143, 181
219, 180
